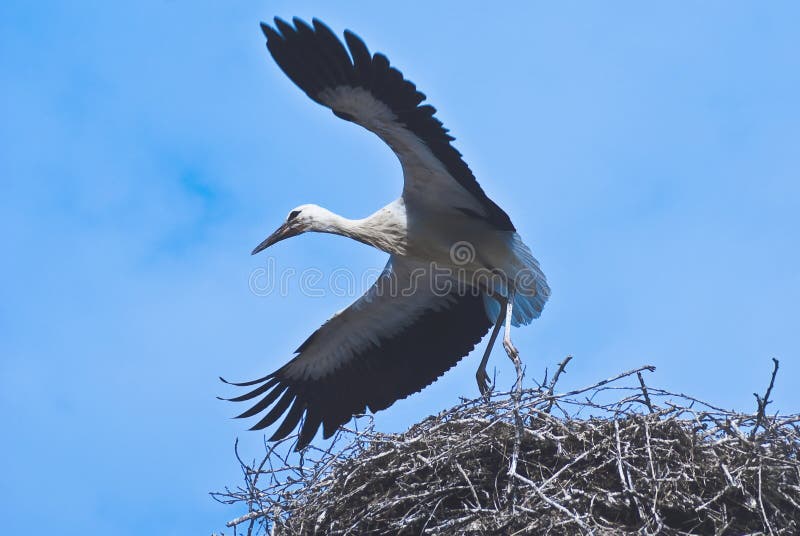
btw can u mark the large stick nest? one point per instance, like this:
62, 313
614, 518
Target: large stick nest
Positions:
535, 462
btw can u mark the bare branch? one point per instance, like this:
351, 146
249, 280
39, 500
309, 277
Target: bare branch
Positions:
763, 402
645, 393
552, 385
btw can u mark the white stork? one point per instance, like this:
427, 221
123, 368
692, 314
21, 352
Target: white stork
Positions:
410, 326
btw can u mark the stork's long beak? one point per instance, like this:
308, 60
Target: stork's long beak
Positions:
287, 230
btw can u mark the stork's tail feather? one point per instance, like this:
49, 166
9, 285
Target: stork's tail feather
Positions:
529, 284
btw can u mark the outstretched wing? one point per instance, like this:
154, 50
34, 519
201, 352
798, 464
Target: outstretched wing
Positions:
366, 90
399, 337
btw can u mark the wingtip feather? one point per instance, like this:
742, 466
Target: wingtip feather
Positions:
321, 26
269, 32
284, 27
290, 421
249, 383
300, 23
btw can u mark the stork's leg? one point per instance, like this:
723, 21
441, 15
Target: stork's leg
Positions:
480, 375
512, 352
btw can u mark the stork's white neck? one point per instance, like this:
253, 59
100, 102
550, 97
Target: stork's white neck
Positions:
386, 229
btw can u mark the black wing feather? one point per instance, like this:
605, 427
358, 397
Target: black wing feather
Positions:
262, 404
277, 410
260, 390
377, 376
291, 420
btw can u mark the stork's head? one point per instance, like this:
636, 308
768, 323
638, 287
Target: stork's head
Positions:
300, 220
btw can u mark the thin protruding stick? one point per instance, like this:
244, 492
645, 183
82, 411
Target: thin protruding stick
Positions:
552, 384
763, 402
649, 368
644, 392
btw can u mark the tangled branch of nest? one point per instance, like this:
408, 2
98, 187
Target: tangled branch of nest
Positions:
648, 462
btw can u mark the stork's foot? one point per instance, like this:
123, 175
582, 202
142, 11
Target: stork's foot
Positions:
512, 351
513, 354
485, 385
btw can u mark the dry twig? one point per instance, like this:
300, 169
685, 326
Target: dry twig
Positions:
763, 402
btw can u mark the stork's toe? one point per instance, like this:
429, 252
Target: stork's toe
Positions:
484, 383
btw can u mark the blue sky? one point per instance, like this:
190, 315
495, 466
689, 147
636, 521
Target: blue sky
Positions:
649, 154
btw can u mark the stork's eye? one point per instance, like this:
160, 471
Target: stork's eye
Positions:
292, 215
